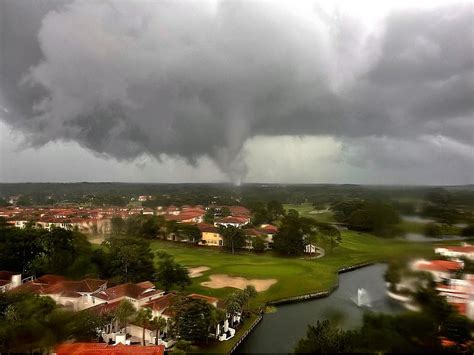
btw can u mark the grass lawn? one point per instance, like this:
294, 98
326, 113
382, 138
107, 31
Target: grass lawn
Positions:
307, 210
296, 276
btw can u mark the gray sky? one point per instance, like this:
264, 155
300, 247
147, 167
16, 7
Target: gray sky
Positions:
255, 91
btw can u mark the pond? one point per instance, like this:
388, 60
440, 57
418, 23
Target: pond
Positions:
278, 332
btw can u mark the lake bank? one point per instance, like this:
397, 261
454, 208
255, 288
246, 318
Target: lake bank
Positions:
278, 332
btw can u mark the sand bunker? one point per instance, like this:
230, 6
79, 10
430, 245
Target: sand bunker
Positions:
222, 280
197, 271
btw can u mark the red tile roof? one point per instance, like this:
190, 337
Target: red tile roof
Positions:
103, 348
83, 286
104, 308
239, 210
252, 232
40, 284
136, 291
161, 303
184, 216
439, 265
146, 284
231, 219
269, 229
205, 227
209, 299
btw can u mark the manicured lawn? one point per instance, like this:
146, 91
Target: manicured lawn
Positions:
307, 210
296, 276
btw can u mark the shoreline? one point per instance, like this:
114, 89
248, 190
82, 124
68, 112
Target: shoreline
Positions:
321, 294
298, 299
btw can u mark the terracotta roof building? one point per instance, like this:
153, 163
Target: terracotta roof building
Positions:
102, 348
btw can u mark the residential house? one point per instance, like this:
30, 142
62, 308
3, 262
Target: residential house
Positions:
238, 222
210, 235
460, 294
75, 295
239, 211
138, 294
163, 307
186, 217
464, 251
106, 349
40, 284
440, 269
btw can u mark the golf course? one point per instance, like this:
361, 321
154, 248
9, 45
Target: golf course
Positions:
294, 276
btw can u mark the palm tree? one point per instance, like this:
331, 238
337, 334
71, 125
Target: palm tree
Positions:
249, 292
218, 315
143, 318
232, 306
123, 313
158, 324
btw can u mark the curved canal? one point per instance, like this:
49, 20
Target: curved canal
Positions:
278, 332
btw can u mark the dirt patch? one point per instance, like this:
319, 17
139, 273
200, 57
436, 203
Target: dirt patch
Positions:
222, 280
197, 271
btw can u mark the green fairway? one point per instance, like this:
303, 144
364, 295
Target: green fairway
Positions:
296, 276
307, 210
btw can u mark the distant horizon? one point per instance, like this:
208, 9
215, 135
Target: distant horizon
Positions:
234, 185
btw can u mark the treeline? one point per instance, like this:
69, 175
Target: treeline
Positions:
225, 194
368, 216
121, 258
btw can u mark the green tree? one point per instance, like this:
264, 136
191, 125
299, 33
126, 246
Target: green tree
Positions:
393, 275
169, 273
143, 318
182, 347
234, 238
374, 217
193, 319
259, 244
225, 211
191, 232
293, 234
209, 216
130, 258
158, 324
124, 312
117, 225
274, 210
325, 338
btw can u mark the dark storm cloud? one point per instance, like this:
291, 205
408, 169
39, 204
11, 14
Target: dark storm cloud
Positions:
196, 79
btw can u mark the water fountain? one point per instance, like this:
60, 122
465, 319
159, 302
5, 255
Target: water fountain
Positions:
363, 298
